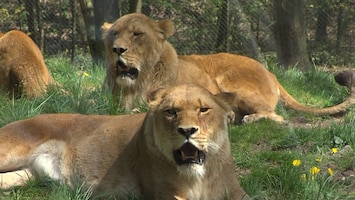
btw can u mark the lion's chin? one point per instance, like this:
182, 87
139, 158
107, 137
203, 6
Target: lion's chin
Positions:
188, 154
193, 171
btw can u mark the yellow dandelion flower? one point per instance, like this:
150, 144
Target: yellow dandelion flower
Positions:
330, 171
86, 74
335, 150
296, 163
318, 159
315, 170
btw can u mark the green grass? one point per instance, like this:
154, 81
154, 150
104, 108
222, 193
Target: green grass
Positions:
263, 151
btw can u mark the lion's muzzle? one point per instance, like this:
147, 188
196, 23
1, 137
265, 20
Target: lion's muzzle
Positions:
189, 154
119, 50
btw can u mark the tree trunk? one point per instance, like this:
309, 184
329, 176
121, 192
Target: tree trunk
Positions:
135, 6
290, 34
104, 11
223, 27
95, 13
31, 19
340, 28
243, 33
322, 24
40, 32
87, 10
73, 4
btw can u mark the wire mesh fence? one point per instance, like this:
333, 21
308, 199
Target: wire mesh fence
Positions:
207, 26
48, 23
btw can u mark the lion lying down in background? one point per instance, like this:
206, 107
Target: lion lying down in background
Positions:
178, 150
22, 68
139, 58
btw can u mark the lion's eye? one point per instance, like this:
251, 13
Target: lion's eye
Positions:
114, 33
204, 109
170, 111
137, 33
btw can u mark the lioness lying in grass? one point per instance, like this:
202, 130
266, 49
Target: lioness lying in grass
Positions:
139, 58
179, 150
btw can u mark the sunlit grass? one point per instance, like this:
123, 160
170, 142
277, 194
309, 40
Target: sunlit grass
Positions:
274, 161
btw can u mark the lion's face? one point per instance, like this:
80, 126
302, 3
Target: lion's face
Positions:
134, 44
192, 125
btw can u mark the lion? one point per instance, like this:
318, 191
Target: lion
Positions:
139, 58
22, 68
178, 150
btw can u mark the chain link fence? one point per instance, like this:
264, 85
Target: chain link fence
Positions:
57, 26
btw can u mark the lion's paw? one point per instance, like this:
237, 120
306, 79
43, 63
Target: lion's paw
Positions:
248, 119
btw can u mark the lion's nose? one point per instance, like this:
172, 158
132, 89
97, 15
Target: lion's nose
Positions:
119, 50
187, 132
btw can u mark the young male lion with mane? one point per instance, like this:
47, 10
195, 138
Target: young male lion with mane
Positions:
22, 68
139, 58
179, 150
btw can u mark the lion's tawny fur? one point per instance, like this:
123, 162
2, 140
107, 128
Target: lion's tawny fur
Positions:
138, 46
22, 68
131, 154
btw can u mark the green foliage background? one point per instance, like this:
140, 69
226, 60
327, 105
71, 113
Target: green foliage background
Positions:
247, 25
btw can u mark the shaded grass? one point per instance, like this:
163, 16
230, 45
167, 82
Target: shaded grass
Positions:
263, 151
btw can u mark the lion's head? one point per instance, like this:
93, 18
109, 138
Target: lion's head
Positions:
134, 46
192, 126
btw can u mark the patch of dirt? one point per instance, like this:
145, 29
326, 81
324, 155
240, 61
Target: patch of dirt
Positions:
261, 146
301, 122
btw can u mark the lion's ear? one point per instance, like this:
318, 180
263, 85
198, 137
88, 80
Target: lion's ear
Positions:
227, 97
227, 102
155, 97
167, 27
106, 26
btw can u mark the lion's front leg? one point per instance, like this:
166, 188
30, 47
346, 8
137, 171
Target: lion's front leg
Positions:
127, 102
258, 116
14, 178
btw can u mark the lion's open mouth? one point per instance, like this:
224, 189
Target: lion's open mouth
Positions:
189, 154
126, 71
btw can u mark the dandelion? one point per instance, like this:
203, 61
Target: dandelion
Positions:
83, 74
318, 159
296, 163
330, 171
315, 170
335, 150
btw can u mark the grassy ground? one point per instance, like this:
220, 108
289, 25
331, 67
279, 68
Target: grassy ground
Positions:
308, 157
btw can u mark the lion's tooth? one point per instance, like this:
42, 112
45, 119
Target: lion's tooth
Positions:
196, 154
183, 155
